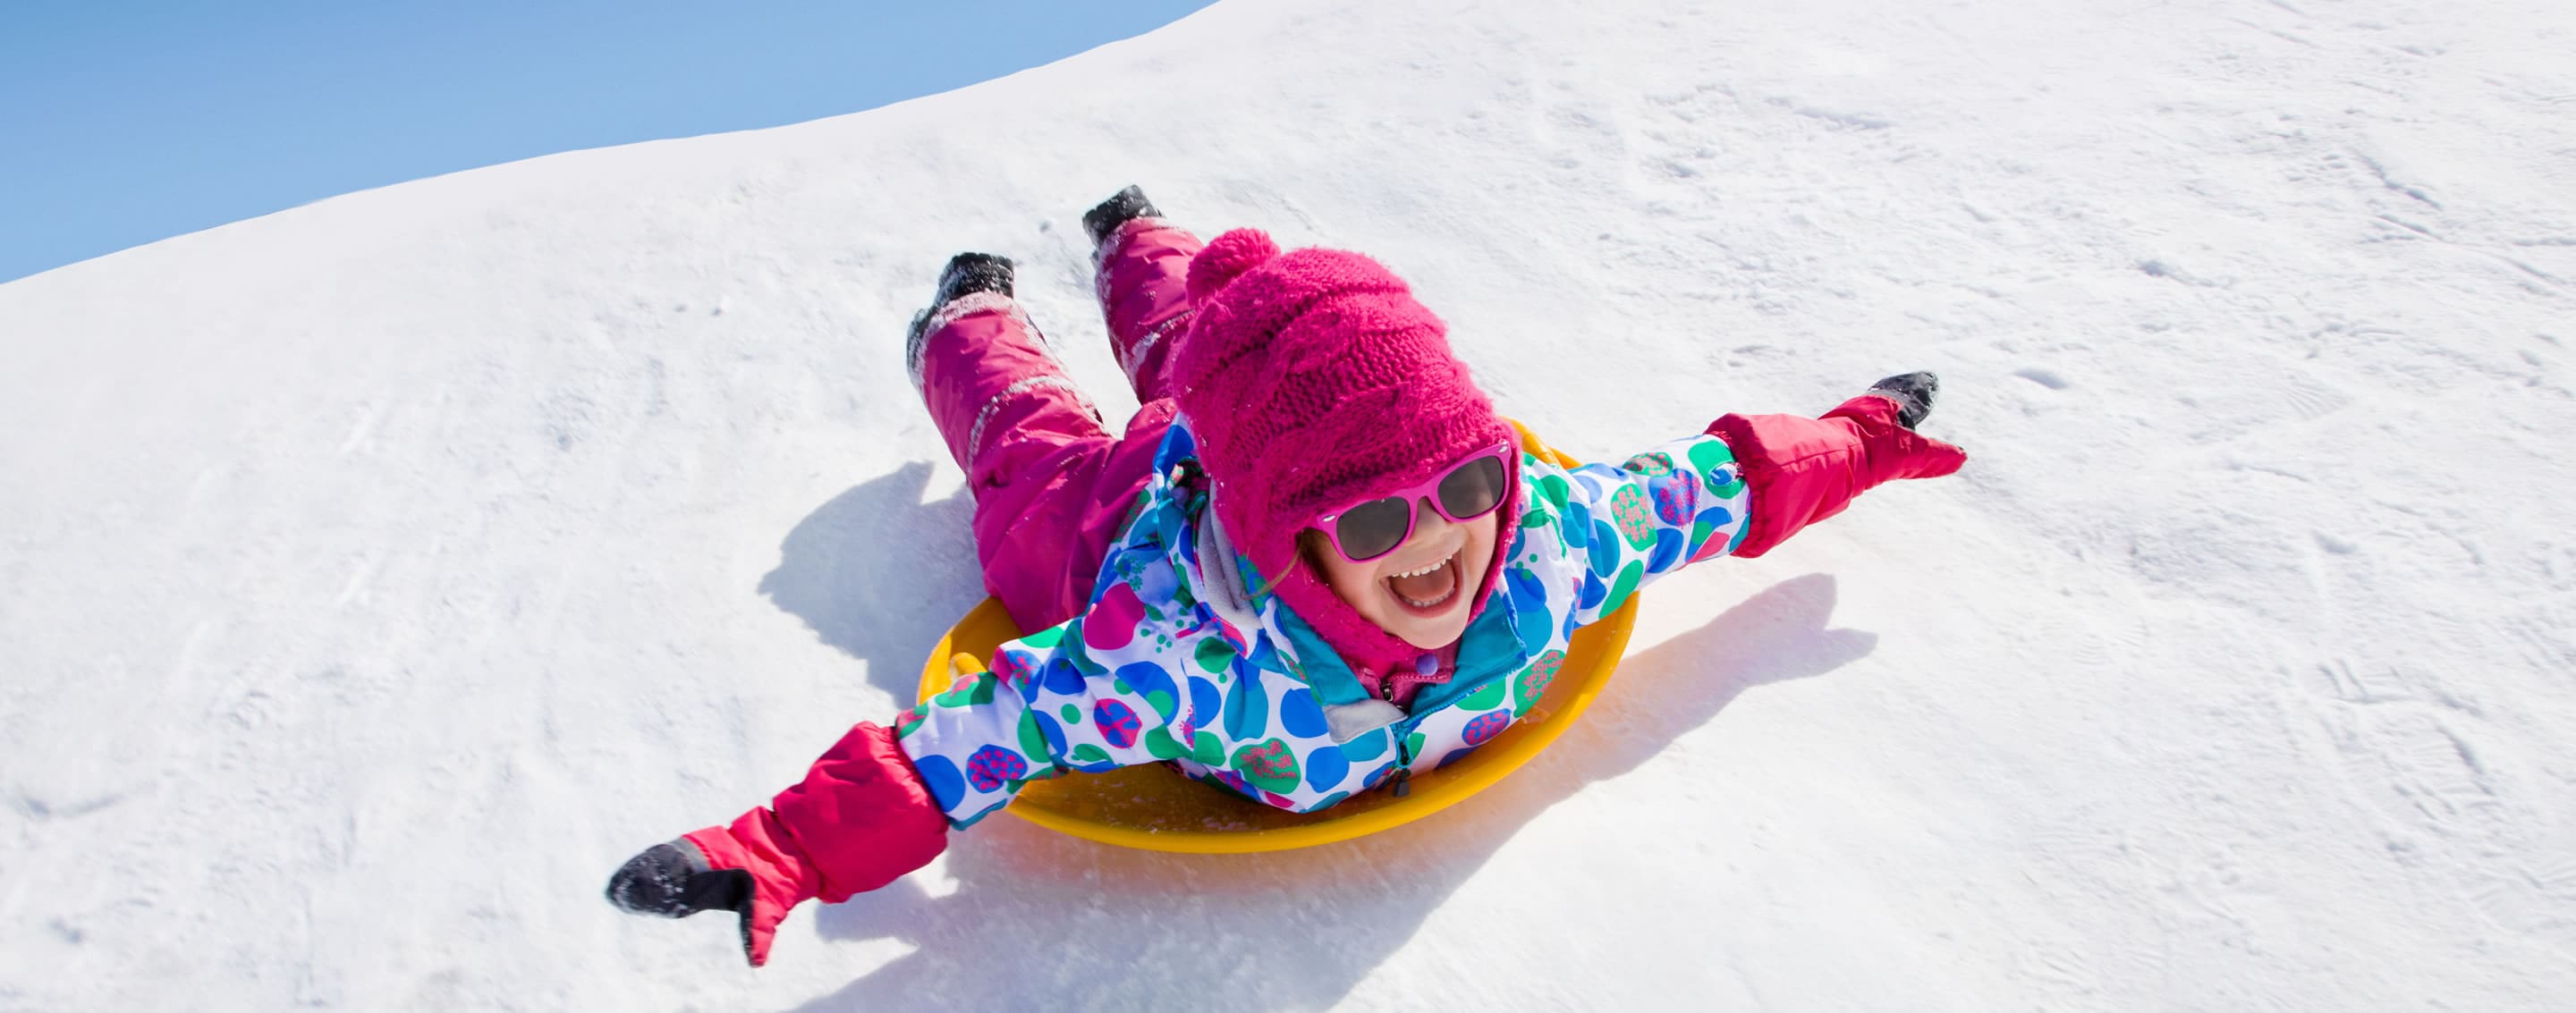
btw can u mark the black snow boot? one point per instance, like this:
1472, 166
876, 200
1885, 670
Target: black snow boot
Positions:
966, 273
1121, 207
1912, 392
972, 272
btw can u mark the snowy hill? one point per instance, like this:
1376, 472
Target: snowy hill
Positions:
375, 576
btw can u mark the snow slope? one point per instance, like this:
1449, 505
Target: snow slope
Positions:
375, 576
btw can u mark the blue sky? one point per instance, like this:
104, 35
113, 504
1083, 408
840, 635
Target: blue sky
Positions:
122, 123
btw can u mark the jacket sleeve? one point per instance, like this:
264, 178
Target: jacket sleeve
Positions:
1677, 503
1095, 693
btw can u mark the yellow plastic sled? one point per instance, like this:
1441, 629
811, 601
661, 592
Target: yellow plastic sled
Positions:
1153, 807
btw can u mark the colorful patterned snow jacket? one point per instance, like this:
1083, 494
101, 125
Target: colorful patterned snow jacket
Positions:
1183, 661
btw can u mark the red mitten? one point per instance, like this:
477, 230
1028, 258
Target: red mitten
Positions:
1803, 470
858, 820
772, 874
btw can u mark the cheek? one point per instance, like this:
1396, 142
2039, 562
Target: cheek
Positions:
1345, 577
1485, 539
1340, 574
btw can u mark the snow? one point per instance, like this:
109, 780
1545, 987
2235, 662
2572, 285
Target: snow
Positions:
377, 575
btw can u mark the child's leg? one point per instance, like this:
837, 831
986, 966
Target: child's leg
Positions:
986, 373
1035, 454
1142, 278
1018, 426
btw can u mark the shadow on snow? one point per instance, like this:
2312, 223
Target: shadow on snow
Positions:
880, 575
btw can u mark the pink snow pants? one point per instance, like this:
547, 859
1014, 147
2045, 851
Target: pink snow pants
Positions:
1052, 487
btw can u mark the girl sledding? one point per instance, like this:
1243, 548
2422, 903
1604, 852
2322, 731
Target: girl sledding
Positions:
1315, 563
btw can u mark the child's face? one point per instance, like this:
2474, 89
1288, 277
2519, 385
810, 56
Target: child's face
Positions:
1421, 591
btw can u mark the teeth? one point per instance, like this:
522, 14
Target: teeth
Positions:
1453, 592
1433, 568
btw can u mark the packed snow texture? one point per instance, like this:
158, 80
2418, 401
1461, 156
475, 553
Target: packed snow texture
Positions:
377, 575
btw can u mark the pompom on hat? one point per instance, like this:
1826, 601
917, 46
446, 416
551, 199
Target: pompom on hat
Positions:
1312, 379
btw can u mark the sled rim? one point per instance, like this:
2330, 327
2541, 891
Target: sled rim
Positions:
1089, 806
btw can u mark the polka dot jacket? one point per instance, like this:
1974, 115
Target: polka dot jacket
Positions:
1176, 662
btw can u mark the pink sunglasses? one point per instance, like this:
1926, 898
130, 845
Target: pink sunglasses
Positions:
1469, 489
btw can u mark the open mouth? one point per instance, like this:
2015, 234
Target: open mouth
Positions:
1427, 589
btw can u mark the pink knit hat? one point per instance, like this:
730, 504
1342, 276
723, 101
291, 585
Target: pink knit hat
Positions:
1312, 379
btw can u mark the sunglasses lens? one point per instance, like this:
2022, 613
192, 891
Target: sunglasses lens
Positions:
1473, 489
1373, 529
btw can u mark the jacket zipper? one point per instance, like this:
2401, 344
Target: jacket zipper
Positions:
1403, 761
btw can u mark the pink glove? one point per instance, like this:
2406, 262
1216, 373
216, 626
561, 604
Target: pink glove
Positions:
1803, 470
858, 820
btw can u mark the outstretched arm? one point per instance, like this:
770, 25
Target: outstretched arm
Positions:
859, 819
1094, 693
1740, 488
